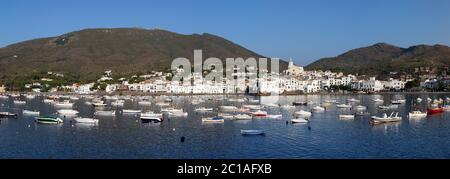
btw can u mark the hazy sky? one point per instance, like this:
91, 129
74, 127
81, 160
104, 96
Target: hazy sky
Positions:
303, 30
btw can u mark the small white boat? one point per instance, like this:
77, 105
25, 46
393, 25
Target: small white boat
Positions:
344, 106
288, 107
228, 108
151, 114
68, 112
85, 120
417, 114
144, 103
299, 120
252, 132
446, 108
302, 113
213, 120
49, 101
105, 113
353, 100
226, 116
242, 117
30, 113
162, 104
203, 109
419, 100
131, 111
259, 113
254, 101
99, 104
402, 101
65, 104
330, 101
360, 108
271, 105
151, 117
386, 119
4, 97
378, 100
30, 96
346, 116
274, 116
118, 103
18, 102
318, 109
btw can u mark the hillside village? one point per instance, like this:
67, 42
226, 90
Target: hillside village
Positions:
294, 80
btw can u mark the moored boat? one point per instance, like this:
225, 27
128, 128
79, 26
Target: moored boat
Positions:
85, 120
252, 132
417, 114
299, 120
302, 113
213, 120
48, 120
68, 112
30, 113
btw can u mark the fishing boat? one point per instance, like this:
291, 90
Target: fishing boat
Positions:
203, 109
67, 112
242, 117
303, 113
346, 116
252, 132
318, 109
85, 120
344, 106
30, 113
8, 115
48, 120
130, 111
213, 120
417, 114
105, 113
299, 120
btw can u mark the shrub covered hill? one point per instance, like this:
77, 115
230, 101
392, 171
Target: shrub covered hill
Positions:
86, 54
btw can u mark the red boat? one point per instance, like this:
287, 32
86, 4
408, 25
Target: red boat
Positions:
435, 110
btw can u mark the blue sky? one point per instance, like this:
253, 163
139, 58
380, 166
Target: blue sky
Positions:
301, 29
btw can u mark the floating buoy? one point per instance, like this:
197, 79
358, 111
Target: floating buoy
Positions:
29, 126
173, 129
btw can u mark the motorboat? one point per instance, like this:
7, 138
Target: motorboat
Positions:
300, 103
417, 114
360, 108
434, 109
318, 109
299, 120
162, 104
274, 116
252, 132
203, 109
362, 113
118, 103
144, 103
243, 117
378, 100
85, 120
99, 104
64, 104
402, 101
105, 113
226, 116
213, 120
30, 113
287, 107
353, 100
330, 101
151, 117
19, 102
49, 101
48, 120
344, 106
346, 116
68, 112
302, 113
386, 119
130, 111
228, 108
8, 115
259, 113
